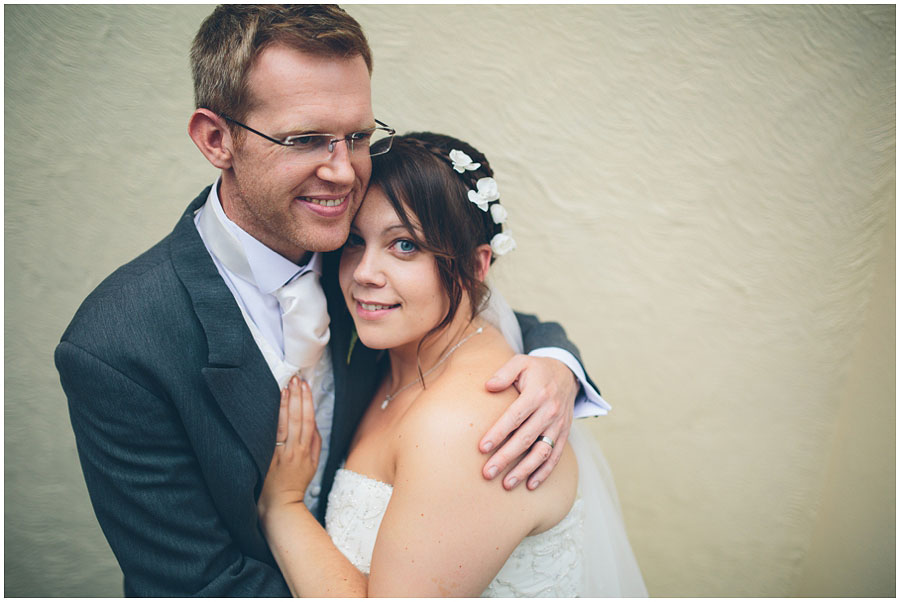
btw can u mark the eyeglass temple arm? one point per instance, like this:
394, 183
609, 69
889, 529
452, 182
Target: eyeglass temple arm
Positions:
386, 126
257, 132
391, 130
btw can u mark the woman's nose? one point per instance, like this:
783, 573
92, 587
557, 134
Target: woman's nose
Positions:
368, 271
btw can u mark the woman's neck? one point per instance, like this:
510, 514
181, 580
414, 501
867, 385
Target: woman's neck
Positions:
407, 359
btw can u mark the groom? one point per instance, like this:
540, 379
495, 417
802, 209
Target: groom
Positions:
172, 366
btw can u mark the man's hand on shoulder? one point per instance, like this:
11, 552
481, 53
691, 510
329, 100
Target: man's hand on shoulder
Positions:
547, 390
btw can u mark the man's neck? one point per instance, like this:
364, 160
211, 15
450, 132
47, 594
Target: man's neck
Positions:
225, 192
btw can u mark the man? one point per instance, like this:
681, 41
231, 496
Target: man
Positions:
172, 366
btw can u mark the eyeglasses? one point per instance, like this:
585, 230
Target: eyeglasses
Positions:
318, 147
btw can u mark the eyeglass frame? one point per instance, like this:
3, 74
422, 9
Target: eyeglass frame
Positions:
287, 141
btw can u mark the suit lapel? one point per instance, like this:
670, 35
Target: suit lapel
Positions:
237, 374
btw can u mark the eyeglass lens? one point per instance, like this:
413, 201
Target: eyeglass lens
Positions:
317, 146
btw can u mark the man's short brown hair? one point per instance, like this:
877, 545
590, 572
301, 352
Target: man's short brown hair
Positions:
231, 38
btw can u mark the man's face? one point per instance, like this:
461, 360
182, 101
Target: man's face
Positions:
289, 205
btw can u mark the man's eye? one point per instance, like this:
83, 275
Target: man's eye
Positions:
361, 136
306, 142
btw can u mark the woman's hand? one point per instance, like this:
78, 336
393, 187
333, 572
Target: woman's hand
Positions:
297, 448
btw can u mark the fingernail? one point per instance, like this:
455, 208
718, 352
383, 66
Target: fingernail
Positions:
492, 471
488, 446
512, 482
534, 484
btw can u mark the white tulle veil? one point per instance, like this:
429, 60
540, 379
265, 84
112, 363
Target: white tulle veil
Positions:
610, 568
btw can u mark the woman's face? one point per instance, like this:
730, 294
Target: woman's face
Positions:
391, 286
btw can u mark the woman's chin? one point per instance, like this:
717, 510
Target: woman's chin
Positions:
377, 345
375, 340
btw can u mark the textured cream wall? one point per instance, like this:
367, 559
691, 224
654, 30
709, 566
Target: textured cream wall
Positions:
703, 195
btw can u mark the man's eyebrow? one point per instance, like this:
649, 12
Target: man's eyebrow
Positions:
300, 130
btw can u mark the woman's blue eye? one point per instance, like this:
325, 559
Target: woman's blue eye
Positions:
406, 246
354, 240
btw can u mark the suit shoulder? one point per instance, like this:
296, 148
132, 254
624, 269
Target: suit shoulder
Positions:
144, 290
149, 269
142, 271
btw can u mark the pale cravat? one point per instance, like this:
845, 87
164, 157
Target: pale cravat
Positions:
304, 319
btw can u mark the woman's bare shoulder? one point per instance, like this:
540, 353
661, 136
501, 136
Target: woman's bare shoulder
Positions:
459, 392
447, 421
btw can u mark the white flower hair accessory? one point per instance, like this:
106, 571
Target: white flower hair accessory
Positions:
498, 213
502, 243
463, 162
487, 192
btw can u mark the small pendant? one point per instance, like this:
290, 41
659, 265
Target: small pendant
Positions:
386, 401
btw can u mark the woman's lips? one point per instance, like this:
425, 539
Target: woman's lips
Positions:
371, 310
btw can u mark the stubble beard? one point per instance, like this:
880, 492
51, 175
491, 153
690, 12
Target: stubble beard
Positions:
272, 219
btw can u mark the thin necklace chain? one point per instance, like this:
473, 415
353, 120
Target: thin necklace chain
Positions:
391, 396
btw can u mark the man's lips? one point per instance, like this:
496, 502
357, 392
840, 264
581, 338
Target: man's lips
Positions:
333, 202
330, 206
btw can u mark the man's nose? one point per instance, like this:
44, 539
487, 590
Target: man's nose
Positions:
338, 168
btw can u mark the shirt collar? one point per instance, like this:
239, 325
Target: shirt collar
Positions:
271, 270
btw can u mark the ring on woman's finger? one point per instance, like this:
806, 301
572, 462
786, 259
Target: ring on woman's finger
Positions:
279, 443
546, 440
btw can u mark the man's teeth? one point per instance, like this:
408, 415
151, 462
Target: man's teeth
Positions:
324, 202
374, 306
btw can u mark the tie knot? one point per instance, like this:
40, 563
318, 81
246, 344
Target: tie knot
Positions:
304, 319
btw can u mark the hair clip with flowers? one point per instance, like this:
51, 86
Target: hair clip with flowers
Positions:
486, 193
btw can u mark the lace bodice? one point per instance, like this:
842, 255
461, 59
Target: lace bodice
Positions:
548, 564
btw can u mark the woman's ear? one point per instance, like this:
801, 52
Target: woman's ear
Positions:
212, 137
483, 256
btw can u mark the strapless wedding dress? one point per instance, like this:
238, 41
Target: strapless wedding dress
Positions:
587, 554
548, 564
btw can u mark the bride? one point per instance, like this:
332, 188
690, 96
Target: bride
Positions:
409, 514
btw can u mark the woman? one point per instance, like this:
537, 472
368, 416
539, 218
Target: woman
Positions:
409, 513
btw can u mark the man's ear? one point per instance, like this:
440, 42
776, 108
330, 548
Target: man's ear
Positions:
212, 137
483, 255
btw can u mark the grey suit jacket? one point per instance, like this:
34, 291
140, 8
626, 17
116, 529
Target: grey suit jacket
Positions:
174, 411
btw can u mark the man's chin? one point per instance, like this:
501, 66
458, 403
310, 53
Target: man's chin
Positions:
323, 244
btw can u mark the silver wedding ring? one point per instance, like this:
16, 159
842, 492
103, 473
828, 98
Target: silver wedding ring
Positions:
279, 443
546, 440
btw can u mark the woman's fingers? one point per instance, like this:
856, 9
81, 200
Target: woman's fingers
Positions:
297, 423
281, 432
295, 412
308, 415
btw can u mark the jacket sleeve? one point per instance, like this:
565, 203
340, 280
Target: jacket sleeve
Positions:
537, 334
148, 489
